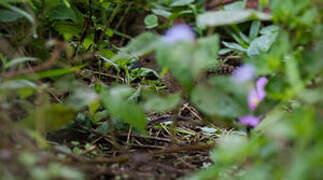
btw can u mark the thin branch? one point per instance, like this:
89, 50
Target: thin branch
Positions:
48, 64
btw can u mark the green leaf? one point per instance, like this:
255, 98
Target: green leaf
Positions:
62, 12
161, 103
239, 5
22, 13
17, 84
234, 46
9, 16
67, 29
17, 61
13, 1
261, 44
162, 12
139, 46
151, 21
116, 101
67, 4
51, 117
24, 88
254, 29
187, 60
220, 96
272, 29
51, 73
181, 3
19, 11
81, 98
222, 18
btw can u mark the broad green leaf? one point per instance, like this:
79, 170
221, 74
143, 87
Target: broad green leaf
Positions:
220, 96
222, 18
239, 5
52, 3
62, 12
139, 46
186, 60
261, 44
67, 29
151, 21
161, 12
50, 117
271, 118
178, 59
117, 103
293, 74
272, 29
161, 103
82, 97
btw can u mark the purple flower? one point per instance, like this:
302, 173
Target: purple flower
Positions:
257, 94
179, 32
243, 73
249, 120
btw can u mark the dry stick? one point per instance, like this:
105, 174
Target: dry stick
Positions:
52, 60
107, 75
147, 146
123, 16
111, 139
54, 95
126, 157
92, 148
82, 37
192, 111
129, 134
145, 137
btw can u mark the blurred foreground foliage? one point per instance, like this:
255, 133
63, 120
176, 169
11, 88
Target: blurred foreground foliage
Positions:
50, 51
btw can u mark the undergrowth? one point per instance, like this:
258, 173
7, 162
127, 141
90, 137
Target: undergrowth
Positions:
164, 89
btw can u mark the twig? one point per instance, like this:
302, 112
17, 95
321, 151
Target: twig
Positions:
176, 149
144, 137
90, 149
52, 60
54, 95
108, 138
123, 16
127, 157
107, 75
147, 146
114, 13
192, 110
129, 134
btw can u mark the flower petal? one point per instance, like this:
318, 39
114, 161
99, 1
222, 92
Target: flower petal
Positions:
253, 99
179, 32
244, 73
249, 120
260, 87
